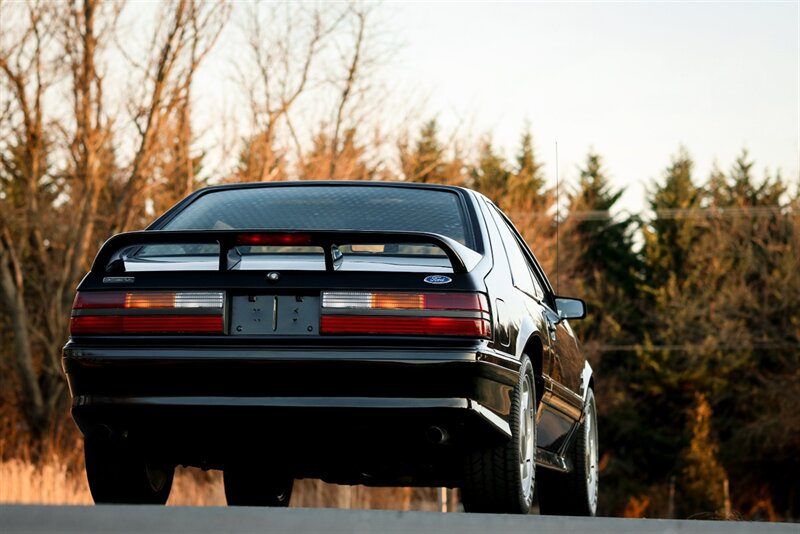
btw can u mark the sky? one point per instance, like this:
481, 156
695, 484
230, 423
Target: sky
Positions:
632, 81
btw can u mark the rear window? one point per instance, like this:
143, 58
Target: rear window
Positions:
358, 207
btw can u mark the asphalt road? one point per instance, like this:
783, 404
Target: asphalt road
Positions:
152, 519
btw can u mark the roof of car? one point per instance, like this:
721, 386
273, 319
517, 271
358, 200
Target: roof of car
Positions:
316, 183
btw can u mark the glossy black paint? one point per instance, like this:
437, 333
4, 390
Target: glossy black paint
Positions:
347, 409
227, 239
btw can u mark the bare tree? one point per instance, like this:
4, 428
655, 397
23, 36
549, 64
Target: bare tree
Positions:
176, 51
59, 166
286, 45
306, 78
350, 81
28, 188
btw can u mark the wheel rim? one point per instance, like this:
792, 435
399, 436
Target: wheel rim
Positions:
590, 435
527, 437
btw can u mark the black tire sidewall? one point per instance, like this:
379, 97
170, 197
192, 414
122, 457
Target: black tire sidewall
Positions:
526, 370
118, 473
492, 479
568, 493
249, 486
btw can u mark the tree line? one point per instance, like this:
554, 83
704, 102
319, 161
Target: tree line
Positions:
694, 304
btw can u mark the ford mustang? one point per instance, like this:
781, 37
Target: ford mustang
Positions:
361, 333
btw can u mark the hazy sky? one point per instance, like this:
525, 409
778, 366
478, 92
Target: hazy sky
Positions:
632, 80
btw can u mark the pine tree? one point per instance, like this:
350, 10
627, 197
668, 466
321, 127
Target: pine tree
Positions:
674, 228
526, 200
752, 329
259, 161
739, 188
703, 477
490, 175
598, 263
350, 163
527, 181
603, 250
427, 161
722, 325
428, 154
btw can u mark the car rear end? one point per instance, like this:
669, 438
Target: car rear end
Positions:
342, 331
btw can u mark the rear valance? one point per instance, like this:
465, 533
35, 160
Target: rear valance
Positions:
111, 258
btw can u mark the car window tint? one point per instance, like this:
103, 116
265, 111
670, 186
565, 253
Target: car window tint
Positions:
328, 208
539, 278
520, 268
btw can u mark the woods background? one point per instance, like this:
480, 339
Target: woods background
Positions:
694, 303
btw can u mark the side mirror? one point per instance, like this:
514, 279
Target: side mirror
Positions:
569, 308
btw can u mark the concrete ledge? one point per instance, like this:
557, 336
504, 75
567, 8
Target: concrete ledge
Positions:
150, 519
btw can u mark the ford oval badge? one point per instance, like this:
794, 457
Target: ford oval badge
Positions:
438, 279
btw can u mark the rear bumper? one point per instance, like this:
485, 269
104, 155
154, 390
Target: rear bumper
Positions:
204, 403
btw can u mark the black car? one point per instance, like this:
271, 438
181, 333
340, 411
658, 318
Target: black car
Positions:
360, 333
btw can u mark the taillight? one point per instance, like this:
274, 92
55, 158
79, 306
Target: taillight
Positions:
150, 312
447, 314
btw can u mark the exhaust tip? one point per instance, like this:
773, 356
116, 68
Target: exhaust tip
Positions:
437, 435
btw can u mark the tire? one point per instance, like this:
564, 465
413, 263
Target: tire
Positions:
501, 479
248, 486
117, 473
574, 493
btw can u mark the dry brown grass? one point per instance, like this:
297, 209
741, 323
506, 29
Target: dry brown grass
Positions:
52, 472
53, 482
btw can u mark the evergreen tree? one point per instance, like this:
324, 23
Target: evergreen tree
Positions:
599, 264
259, 161
703, 477
177, 172
740, 190
750, 256
675, 228
526, 199
490, 175
527, 181
427, 162
350, 162
724, 286
603, 249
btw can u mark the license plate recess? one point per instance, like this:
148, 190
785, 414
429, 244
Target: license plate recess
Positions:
280, 315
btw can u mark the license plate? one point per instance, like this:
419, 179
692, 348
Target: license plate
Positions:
282, 315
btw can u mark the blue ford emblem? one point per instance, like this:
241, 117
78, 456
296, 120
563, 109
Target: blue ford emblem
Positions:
438, 279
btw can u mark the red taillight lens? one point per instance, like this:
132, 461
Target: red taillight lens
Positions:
456, 301
274, 239
147, 324
148, 312
109, 299
442, 326
365, 312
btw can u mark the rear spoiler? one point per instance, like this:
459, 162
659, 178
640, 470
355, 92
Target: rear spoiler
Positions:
462, 259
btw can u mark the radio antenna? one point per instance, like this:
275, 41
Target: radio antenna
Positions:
558, 221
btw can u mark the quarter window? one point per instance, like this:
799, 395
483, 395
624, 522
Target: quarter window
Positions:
520, 268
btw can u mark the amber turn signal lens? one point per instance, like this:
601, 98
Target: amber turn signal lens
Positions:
407, 301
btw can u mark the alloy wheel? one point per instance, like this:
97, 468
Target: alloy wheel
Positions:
527, 438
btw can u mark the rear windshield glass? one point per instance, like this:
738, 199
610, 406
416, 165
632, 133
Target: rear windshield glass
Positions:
328, 208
